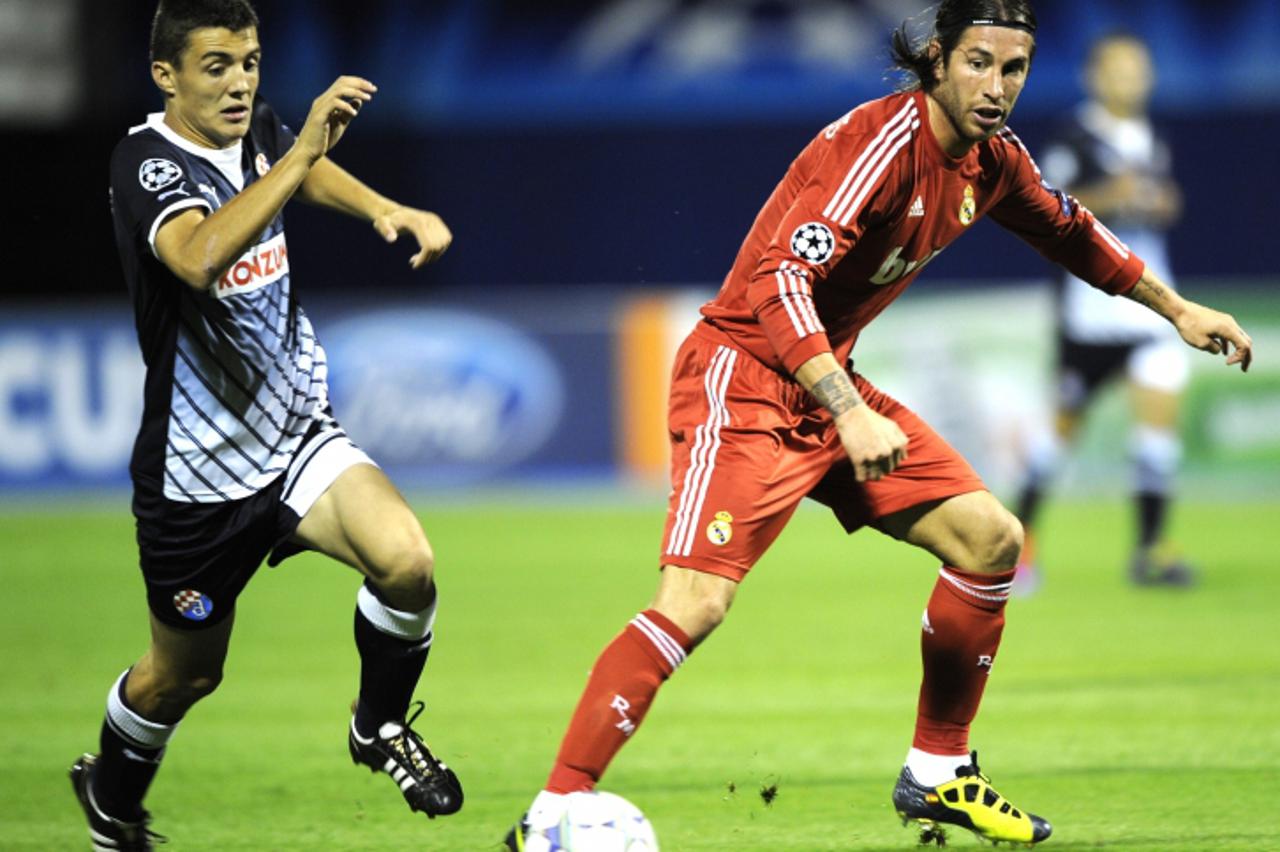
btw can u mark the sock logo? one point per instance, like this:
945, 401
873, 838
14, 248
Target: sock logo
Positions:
985, 661
622, 705
134, 756
193, 605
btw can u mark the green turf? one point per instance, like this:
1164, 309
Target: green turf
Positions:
1132, 719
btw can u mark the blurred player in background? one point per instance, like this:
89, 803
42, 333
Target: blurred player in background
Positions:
766, 408
239, 458
1112, 159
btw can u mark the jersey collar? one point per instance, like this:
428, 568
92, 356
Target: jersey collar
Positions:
226, 160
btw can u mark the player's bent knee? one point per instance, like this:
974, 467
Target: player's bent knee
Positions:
175, 694
696, 602
1001, 542
711, 611
201, 685
406, 574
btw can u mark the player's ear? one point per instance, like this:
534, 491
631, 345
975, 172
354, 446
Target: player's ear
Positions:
933, 50
164, 75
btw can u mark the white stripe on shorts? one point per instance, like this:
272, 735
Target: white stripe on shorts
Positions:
702, 458
317, 465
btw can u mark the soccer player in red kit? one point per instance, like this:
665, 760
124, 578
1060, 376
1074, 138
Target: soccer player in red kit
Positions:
764, 411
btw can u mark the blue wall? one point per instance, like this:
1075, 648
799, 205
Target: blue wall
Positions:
500, 64
555, 171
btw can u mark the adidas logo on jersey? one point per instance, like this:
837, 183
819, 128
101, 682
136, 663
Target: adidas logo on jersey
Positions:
917, 208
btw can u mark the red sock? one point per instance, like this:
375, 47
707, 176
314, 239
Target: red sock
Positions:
962, 627
621, 688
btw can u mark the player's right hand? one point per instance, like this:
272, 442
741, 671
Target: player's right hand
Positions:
875, 444
331, 113
1216, 332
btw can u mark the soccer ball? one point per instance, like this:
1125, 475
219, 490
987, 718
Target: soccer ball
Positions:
594, 822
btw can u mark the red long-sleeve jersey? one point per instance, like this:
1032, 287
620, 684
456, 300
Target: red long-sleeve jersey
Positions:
867, 204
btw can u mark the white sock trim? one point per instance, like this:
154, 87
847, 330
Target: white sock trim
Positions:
141, 732
934, 769
669, 648
394, 622
1156, 454
982, 591
547, 809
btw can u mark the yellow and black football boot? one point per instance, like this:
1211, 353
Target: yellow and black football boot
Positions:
968, 802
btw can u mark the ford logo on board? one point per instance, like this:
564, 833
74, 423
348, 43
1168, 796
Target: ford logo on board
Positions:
450, 394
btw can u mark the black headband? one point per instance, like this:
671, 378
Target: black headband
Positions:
1002, 22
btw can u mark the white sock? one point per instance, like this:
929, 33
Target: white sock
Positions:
934, 769
547, 808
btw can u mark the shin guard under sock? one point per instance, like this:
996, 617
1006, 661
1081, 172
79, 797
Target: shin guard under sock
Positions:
130, 750
393, 648
961, 633
621, 687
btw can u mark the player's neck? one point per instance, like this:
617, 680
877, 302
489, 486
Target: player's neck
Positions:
944, 131
174, 122
1119, 112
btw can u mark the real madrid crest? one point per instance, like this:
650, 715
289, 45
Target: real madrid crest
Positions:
968, 207
720, 530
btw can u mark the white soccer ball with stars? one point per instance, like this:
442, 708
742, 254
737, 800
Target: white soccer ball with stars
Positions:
813, 242
592, 822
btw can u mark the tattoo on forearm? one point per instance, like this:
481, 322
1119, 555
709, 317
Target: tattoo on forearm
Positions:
836, 393
1149, 293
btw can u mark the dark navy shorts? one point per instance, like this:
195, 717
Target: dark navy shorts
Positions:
196, 558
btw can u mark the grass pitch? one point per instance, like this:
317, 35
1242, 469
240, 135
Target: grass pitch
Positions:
1131, 719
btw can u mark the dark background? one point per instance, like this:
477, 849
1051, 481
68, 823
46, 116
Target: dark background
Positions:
555, 169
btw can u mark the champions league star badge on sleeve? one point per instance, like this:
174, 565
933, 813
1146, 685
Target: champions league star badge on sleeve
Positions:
813, 242
157, 173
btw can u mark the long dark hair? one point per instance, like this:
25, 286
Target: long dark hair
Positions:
916, 58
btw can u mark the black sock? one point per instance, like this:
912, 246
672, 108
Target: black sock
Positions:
130, 751
390, 662
1028, 504
1151, 514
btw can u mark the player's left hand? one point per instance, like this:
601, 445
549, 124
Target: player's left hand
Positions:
427, 228
1216, 332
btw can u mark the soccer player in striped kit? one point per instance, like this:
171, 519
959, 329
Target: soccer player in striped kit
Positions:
1112, 157
765, 408
239, 457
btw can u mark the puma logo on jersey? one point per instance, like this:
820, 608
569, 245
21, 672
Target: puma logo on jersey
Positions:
181, 189
894, 267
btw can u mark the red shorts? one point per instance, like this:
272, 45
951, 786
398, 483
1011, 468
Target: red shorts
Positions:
747, 445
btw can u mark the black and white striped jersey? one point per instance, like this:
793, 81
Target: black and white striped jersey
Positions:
1094, 146
235, 374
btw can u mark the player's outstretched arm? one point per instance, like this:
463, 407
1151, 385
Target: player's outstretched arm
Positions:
331, 186
875, 444
198, 248
1201, 327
